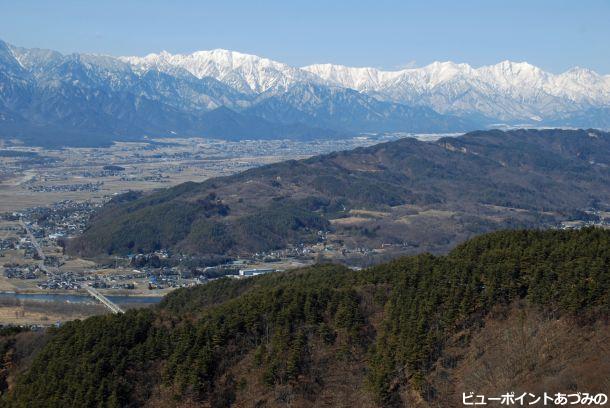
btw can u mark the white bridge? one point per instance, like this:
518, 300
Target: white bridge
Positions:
104, 300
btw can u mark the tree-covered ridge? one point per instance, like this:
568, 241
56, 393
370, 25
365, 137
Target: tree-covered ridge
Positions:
488, 180
217, 343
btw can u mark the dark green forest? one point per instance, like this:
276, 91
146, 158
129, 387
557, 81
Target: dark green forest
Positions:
287, 331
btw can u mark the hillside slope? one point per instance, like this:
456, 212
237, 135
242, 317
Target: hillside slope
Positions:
411, 194
404, 333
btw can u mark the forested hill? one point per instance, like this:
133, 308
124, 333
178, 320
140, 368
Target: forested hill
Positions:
418, 330
426, 196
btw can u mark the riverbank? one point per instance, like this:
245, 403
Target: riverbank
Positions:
77, 297
46, 309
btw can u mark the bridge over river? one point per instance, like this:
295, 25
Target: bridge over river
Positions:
114, 308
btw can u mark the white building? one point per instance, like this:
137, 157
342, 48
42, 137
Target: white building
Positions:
254, 272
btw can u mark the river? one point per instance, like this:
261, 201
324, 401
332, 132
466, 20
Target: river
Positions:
60, 297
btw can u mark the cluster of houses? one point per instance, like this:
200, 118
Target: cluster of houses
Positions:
15, 271
61, 219
9, 243
596, 219
90, 187
63, 281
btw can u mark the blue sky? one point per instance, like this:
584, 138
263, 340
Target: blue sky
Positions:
554, 35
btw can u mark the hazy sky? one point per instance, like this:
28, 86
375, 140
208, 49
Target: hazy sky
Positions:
554, 35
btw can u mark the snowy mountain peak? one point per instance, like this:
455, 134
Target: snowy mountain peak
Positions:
513, 66
245, 72
362, 79
507, 90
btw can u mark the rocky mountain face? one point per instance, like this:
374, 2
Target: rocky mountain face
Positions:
343, 108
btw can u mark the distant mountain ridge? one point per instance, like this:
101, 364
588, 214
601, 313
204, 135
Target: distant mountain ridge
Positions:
50, 98
247, 73
79, 99
505, 91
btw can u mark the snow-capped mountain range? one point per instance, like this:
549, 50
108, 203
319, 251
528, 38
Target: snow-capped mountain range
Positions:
506, 91
246, 73
228, 94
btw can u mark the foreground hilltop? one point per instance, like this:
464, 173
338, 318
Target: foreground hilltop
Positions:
408, 194
522, 311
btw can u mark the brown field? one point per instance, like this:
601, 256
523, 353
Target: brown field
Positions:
45, 313
368, 213
349, 221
